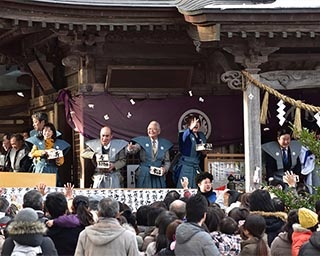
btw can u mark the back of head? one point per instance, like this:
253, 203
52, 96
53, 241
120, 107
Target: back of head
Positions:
94, 201
4, 204
307, 218
159, 204
196, 207
162, 222
56, 204
80, 201
260, 200
244, 199
170, 197
179, 208
278, 204
33, 199
234, 195
229, 226
214, 217
292, 219
131, 219
141, 215
108, 208
153, 214
239, 213
80, 205
255, 224
171, 230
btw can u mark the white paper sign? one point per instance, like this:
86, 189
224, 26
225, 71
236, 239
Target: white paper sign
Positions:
204, 146
54, 153
156, 171
103, 161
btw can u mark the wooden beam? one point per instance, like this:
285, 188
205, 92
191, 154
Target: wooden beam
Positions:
41, 76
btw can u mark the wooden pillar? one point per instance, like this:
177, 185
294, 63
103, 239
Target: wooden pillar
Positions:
86, 76
252, 132
251, 57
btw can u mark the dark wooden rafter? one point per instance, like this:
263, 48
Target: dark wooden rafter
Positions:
268, 24
41, 75
72, 17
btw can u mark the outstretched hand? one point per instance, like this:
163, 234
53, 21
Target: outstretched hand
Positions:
193, 123
184, 182
42, 188
290, 178
68, 190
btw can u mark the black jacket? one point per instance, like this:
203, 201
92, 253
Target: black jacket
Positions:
311, 248
65, 239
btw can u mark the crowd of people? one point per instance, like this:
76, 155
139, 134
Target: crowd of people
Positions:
204, 223
201, 223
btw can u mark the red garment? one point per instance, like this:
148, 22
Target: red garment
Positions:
299, 237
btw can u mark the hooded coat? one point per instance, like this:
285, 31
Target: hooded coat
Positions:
107, 237
274, 223
191, 239
300, 236
281, 245
28, 234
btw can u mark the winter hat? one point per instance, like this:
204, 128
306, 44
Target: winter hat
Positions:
26, 215
307, 218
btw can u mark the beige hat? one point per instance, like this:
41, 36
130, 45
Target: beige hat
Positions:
307, 218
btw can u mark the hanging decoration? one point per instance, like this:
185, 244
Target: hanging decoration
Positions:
285, 99
317, 117
264, 109
281, 112
297, 121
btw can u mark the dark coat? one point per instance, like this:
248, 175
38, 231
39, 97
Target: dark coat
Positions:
311, 248
65, 239
29, 234
274, 223
275, 166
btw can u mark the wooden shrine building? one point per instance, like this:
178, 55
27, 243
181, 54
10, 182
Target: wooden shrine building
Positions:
148, 51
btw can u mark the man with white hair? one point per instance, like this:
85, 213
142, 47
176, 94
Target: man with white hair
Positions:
154, 157
107, 237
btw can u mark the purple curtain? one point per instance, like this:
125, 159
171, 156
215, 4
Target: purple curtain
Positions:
221, 116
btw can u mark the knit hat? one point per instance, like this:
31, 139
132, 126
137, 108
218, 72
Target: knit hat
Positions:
26, 215
307, 218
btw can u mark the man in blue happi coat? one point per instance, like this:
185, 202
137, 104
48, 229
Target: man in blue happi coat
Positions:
154, 156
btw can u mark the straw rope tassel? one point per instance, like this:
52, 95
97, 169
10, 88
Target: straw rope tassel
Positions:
297, 120
264, 108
